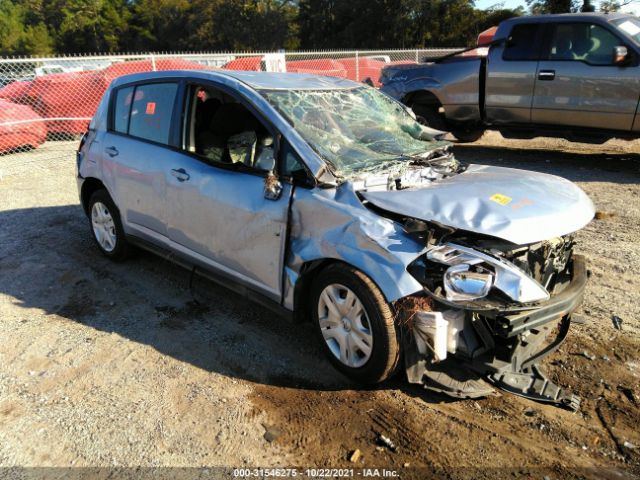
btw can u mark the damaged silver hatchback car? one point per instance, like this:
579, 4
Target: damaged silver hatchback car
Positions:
326, 200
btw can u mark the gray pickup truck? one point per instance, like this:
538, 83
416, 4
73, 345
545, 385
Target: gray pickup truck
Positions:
574, 76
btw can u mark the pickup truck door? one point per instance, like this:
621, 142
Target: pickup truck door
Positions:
579, 85
511, 76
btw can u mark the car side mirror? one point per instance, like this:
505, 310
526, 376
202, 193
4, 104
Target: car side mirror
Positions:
272, 186
620, 54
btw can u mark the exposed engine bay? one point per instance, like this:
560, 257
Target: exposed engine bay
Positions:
483, 328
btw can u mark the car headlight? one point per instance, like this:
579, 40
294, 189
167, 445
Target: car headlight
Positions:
461, 283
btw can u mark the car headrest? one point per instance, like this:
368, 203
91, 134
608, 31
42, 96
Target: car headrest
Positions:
205, 111
232, 118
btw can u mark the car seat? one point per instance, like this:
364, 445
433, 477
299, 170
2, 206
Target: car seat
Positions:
562, 49
228, 120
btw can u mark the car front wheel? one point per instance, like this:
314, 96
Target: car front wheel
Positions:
355, 324
106, 226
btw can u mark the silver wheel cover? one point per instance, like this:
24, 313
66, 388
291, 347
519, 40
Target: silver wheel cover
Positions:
103, 226
345, 325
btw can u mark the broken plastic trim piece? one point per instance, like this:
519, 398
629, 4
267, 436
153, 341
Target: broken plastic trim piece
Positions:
534, 385
529, 381
448, 377
466, 379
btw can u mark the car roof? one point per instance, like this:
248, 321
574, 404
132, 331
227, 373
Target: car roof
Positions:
581, 17
256, 80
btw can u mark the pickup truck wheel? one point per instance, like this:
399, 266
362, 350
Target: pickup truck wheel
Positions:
355, 325
430, 116
468, 136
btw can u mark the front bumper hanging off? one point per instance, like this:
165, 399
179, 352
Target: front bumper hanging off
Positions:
530, 382
514, 346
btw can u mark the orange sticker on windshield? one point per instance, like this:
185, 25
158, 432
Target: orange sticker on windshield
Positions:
151, 108
501, 199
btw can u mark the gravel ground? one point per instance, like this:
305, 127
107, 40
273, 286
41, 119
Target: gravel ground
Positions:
125, 365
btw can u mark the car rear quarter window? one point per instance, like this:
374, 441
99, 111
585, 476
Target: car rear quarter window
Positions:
122, 109
522, 43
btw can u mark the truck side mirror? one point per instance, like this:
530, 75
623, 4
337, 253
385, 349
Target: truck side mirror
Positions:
620, 55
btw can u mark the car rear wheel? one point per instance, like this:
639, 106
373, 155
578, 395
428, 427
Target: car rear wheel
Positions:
355, 324
106, 226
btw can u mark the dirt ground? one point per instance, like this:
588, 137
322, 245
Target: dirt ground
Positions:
123, 365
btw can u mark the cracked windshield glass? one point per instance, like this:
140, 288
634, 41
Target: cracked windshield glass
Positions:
356, 131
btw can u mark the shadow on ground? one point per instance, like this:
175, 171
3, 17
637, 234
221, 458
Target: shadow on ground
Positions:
149, 300
622, 168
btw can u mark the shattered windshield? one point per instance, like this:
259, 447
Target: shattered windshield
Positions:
356, 131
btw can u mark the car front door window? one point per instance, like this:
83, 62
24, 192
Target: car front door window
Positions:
585, 42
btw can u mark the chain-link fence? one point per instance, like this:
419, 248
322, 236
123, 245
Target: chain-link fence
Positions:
47, 103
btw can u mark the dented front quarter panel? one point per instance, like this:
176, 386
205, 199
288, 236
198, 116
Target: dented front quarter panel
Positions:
334, 224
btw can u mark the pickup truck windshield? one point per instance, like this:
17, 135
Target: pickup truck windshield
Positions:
355, 131
630, 26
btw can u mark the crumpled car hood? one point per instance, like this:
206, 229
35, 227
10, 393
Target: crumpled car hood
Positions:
516, 205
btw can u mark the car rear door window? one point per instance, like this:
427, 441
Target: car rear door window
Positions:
522, 43
151, 109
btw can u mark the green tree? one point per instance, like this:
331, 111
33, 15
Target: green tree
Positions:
243, 24
553, 6
171, 25
91, 25
394, 23
587, 7
160, 25
17, 36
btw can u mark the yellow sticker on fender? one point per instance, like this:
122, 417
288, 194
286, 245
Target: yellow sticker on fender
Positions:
501, 199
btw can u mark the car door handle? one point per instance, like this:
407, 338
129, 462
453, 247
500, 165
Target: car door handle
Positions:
112, 151
546, 74
180, 174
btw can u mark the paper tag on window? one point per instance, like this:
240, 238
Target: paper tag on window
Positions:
630, 27
151, 108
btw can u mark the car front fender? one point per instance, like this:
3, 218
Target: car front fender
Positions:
333, 224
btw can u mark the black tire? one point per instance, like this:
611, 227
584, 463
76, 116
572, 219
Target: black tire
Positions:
384, 356
430, 116
468, 136
121, 249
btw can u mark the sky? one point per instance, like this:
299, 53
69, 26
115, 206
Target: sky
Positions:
482, 4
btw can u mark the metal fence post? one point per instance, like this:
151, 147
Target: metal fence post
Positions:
153, 62
357, 67
417, 59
